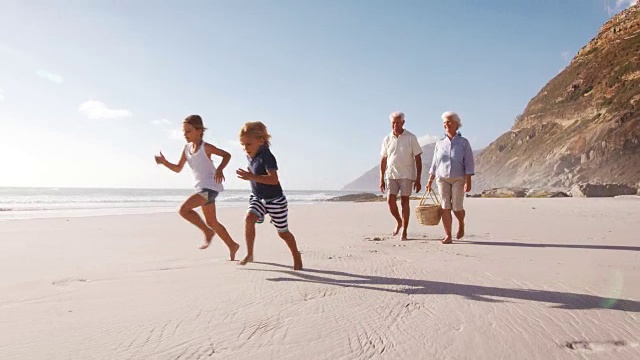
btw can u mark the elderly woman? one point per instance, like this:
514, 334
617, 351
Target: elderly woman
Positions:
452, 167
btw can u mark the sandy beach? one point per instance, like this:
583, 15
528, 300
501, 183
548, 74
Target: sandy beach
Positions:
533, 279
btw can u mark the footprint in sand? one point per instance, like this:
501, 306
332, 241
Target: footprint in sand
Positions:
67, 281
375, 238
595, 345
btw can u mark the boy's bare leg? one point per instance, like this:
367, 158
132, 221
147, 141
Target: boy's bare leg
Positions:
209, 211
406, 212
446, 222
460, 216
393, 207
187, 212
249, 236
290, 240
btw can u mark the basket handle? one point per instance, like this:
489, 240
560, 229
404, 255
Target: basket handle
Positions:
432, 195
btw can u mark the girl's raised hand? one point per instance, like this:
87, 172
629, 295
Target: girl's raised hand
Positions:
160, 158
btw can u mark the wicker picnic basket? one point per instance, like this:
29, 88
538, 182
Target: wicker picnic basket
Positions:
429, 213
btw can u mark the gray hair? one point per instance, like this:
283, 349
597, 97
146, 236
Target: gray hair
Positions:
397, 114
452, 116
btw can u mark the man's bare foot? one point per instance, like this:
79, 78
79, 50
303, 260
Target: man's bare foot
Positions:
297, 262
397, 229
447, 240
460, 233
207, 240
247, 259
233, 250
404, 236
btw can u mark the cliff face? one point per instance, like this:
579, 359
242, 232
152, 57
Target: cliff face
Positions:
584, 125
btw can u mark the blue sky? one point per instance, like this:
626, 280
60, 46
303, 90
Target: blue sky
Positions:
90, 91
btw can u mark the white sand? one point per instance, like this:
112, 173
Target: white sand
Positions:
532, 276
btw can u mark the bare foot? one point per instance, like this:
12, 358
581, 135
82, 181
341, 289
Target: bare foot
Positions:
207, 240
297, 262
460, 233
233, 250
447, 240
397, 229
247, 259
404, 236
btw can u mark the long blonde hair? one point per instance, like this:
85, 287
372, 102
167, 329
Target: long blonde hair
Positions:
257, 130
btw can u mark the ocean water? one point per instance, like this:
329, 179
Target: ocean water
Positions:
28, 203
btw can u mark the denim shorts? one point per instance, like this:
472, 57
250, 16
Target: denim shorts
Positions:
209, 195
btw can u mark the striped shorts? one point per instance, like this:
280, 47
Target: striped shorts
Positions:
277, 209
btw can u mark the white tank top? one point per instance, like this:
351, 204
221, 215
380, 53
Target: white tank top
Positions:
202, 168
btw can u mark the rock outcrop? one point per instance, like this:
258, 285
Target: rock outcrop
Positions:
602, 190
583, 126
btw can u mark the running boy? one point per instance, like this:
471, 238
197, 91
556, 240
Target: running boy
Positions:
266, 193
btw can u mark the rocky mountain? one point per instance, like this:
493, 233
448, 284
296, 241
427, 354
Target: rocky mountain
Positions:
583, 126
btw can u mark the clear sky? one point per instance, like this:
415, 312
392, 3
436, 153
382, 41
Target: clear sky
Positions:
91, 90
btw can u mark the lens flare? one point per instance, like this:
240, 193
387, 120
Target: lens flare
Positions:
616, 283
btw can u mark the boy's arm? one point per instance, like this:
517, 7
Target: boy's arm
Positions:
173, 167
270, 179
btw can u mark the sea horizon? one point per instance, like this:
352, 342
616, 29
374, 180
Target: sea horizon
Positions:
48, 202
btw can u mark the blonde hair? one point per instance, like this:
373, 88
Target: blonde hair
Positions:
196, 122
257, 130
453, 116
397, 114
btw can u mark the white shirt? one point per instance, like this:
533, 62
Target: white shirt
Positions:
202, 168
401, 152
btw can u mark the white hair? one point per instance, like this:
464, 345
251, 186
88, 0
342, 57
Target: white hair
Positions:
452, 116
397, 114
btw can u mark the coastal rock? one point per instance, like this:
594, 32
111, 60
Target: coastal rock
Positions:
361, 197
510, 192
547, 193
602, 190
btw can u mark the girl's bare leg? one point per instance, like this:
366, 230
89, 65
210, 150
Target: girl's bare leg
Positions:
249, 236
187, 212
209, 211
290, 240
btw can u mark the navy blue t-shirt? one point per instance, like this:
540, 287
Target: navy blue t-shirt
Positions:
263, 161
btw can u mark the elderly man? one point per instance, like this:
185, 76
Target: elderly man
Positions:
452, 167
400, 170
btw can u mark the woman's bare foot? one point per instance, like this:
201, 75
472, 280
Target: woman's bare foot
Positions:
447, 240
297, 262
233, 250
207, 240
397, 229
247, 259
460, 233
404, 235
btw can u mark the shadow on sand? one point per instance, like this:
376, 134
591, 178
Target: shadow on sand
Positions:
562, 300
566, 246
